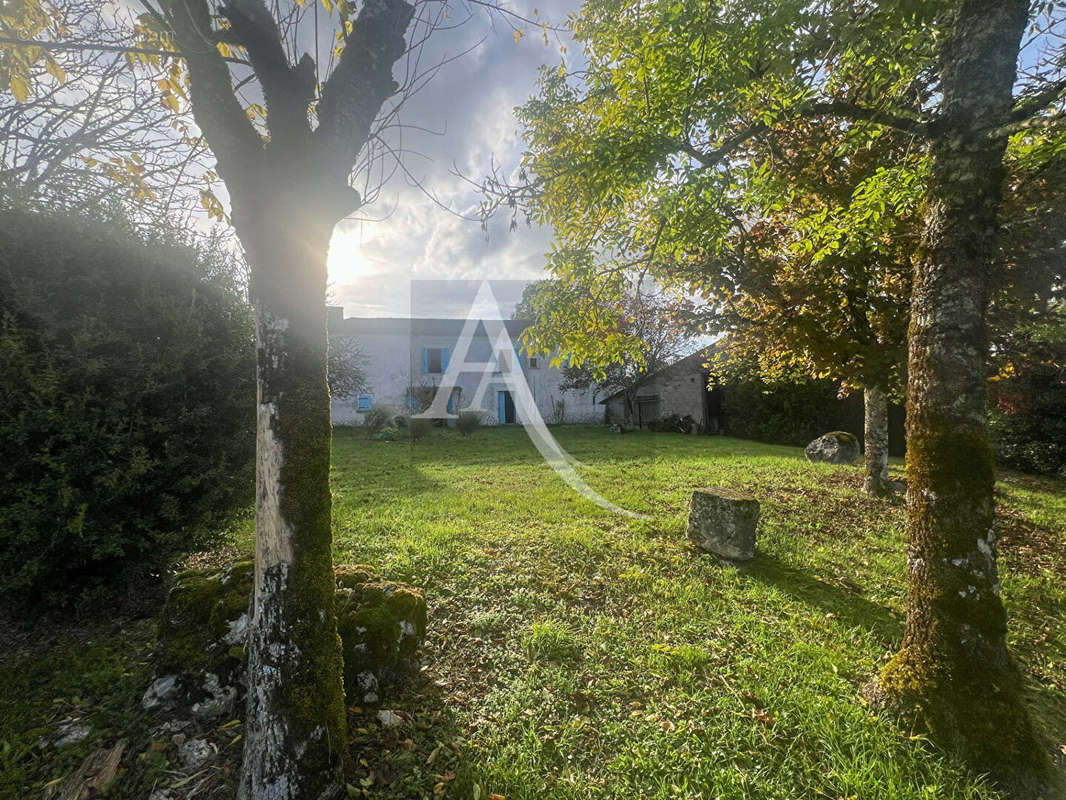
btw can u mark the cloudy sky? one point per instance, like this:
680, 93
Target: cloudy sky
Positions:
374, 262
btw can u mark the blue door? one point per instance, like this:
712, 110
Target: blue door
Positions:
505, 412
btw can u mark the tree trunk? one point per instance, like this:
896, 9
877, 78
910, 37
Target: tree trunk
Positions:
295, 734
875, 441
954, 665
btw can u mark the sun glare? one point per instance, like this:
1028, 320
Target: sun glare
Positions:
345, 263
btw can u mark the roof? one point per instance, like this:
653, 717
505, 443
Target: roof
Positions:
697, 358
357, 326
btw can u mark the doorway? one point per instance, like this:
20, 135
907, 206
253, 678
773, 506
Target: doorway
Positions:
505, 408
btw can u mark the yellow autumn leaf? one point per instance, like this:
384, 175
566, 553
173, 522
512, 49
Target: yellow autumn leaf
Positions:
54, 69
20, 88
517, 36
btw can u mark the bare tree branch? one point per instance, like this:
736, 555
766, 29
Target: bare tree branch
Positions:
216, 109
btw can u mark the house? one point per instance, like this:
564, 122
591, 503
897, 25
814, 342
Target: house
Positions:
405, 359
682, 388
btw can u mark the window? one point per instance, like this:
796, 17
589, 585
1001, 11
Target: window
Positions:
364, 402
434, 360
533, 363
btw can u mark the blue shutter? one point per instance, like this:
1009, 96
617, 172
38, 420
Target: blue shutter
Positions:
425, 360
444, 359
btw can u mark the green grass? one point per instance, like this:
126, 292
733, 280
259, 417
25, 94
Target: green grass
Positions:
574, 653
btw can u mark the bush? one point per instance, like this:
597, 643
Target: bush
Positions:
468, 422
1027, 422
127, 407
419, 428
375, 420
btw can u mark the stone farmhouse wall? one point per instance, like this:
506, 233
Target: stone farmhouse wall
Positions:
677, 389
395, 350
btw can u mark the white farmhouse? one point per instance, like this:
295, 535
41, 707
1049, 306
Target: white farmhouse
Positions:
405, 356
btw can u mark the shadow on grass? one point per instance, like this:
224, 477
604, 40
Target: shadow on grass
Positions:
847, 605
420, 753
378, 483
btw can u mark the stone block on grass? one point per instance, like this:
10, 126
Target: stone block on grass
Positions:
835, 447
722, 521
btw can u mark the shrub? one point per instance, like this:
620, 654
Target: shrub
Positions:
1027, 421
419, 428
468, 422
390, 433
375, 420
127, 407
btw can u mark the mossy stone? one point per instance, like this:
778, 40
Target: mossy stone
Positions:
381, 625
197, 616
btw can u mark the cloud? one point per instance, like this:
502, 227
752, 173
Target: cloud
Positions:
471, 100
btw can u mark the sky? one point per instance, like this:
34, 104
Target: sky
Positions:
404, 236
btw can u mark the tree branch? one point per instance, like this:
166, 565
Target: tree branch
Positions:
100, 47
287, 90
233, 139
856, 113
1033, 104
714, 157
360, 83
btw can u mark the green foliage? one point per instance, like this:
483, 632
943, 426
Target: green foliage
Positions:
419, 428
468, 422
761, 157
126, 406
375, 420
1028, 421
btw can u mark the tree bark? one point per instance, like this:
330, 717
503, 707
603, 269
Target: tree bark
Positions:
295, 735
954, 666
875, 441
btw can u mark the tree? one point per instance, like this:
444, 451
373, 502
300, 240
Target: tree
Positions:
346, 368
649, 318
954, 646
286, 162
662, 147
288, 182
82, 131
819, 285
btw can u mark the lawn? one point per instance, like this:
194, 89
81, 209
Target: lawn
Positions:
575, 653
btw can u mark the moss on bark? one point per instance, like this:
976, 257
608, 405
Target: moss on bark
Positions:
953, 673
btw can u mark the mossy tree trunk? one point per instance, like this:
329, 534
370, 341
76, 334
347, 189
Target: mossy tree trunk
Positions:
295, 734
288, 190
954, 666
875, 441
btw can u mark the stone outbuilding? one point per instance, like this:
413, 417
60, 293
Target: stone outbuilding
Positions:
683, 388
